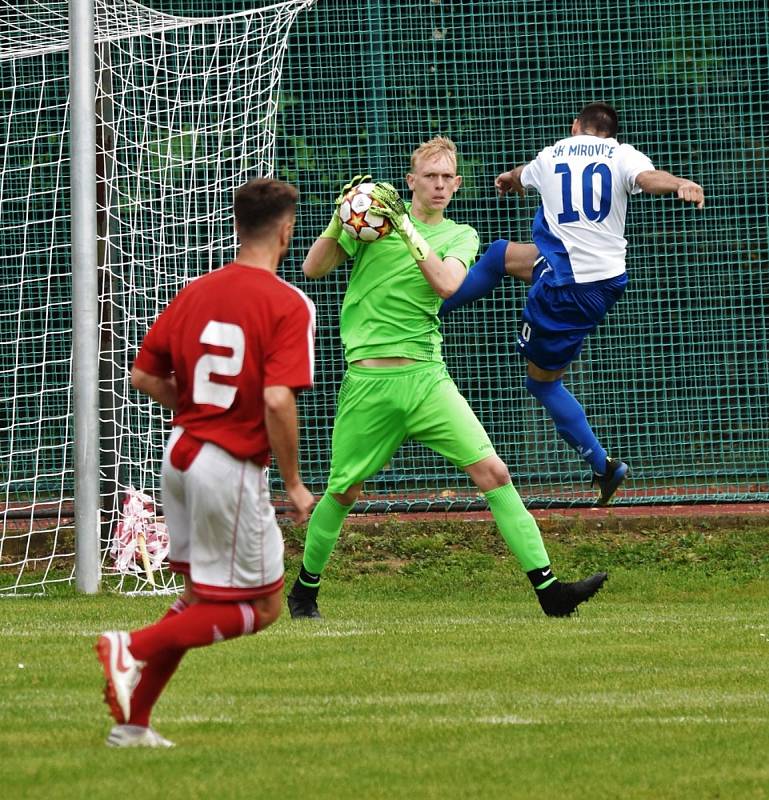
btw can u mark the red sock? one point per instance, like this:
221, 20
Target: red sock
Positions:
197, 626
155, 675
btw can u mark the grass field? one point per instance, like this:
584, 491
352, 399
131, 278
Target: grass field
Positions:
433, 675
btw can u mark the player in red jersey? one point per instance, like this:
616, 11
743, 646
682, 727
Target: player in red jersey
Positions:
227, 356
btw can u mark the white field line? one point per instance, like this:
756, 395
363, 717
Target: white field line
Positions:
416, 719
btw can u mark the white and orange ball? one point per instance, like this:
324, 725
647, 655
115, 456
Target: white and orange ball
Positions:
359, 217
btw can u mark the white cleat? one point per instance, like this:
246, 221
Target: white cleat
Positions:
121, 670
136, 736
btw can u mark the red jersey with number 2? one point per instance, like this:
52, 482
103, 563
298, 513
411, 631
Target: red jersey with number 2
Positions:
226, 336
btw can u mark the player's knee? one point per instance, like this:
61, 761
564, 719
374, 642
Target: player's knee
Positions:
267, 610
519, 260
489, 474
349, 497
498, 472
541, 389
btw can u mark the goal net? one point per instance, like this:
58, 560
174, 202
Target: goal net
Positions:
185, 112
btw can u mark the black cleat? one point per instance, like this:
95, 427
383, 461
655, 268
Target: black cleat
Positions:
611, 480
303, 601
561, 599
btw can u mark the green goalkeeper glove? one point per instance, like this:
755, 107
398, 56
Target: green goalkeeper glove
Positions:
334, 229
392, 207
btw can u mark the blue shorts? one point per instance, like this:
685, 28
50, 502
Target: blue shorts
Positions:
556, 319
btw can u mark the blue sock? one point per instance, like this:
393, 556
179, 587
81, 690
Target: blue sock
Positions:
570, 421
484, 276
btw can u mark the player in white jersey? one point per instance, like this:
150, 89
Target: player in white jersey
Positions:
576, 265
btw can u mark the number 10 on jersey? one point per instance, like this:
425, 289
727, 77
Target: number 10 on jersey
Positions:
569, 213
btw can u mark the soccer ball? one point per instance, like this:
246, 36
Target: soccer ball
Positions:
358, 214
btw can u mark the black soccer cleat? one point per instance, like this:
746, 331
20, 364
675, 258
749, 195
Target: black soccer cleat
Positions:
303, 601
611, 480
561, 599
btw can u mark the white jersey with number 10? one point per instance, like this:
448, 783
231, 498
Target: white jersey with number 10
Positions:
584, 182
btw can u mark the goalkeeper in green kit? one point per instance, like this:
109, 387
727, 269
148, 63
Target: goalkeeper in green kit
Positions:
397, 387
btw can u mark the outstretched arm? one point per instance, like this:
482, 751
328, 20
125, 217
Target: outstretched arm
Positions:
657, 181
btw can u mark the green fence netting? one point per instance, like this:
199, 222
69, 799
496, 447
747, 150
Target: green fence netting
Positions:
676, 381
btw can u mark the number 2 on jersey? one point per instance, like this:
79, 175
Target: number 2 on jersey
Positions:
569, 213
204, 390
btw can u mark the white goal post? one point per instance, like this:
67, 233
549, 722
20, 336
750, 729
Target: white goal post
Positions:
167, 117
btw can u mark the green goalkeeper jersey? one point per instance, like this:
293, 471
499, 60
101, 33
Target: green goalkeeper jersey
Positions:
389, 309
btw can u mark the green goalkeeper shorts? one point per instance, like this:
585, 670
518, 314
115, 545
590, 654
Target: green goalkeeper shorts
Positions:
380, 408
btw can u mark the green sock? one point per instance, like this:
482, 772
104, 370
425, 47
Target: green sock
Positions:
323, 530
518, 528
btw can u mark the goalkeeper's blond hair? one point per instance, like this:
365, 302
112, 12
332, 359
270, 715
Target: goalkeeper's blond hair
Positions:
437, 146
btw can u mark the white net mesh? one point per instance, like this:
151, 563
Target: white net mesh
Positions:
186, 112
